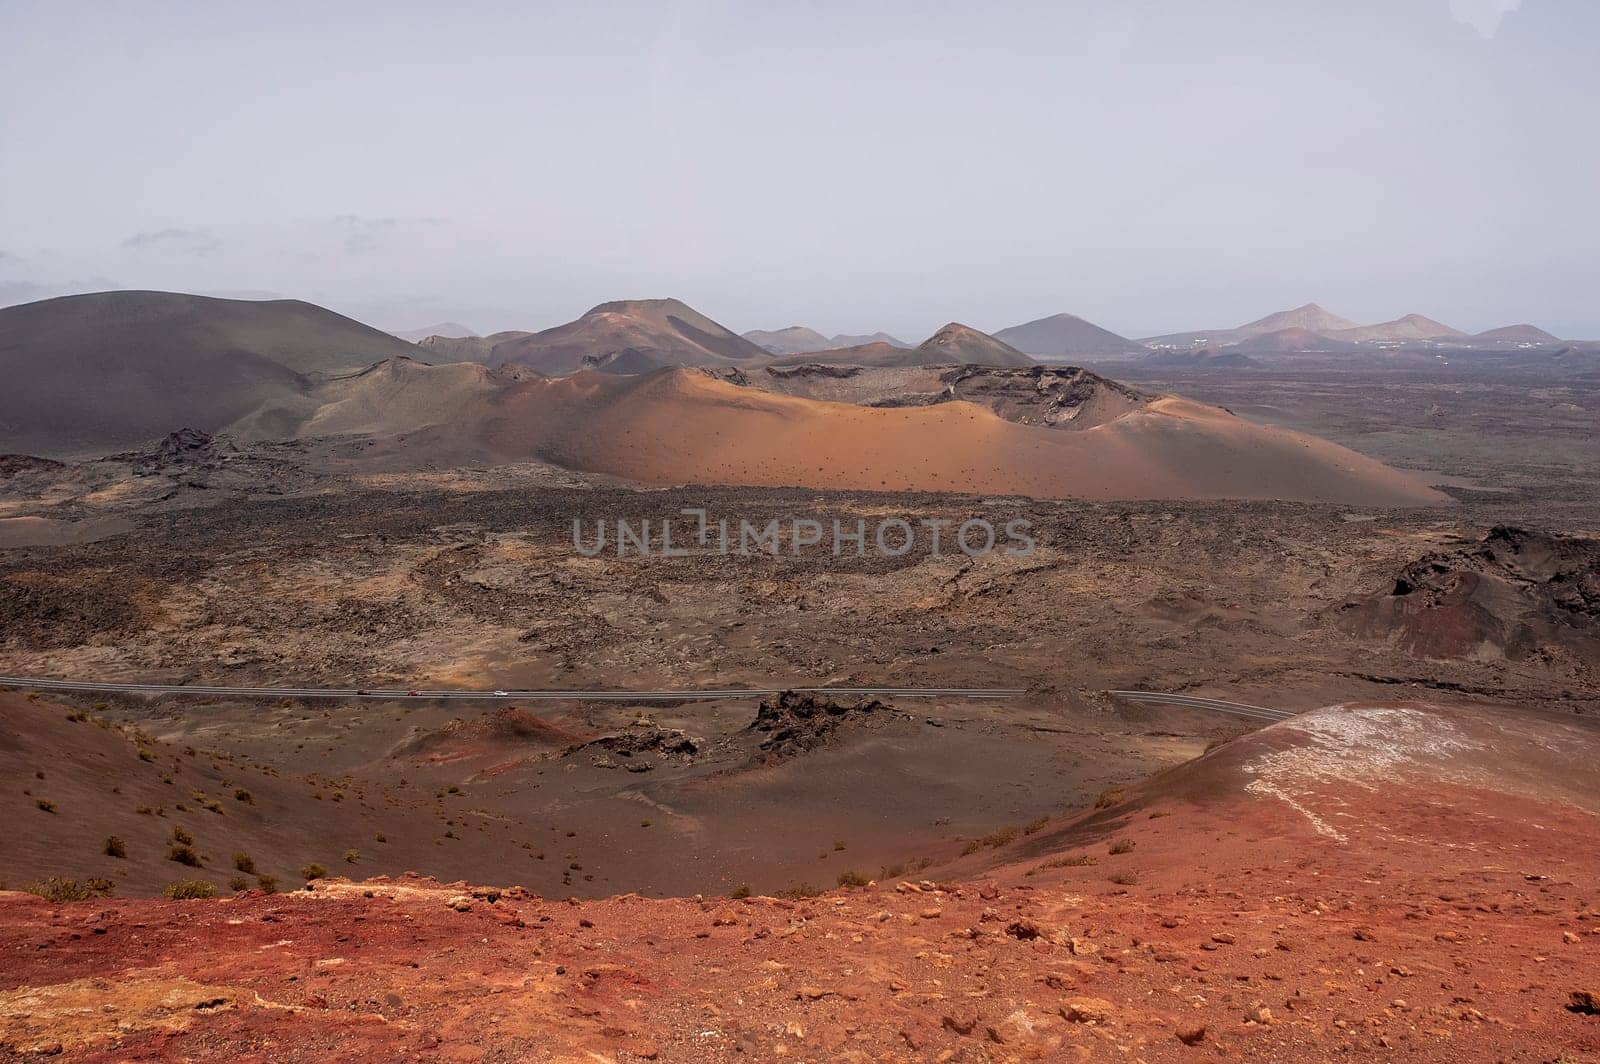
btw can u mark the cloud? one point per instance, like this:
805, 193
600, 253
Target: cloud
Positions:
1483, 15
363, 234
194, 241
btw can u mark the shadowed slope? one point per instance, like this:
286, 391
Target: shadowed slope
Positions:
91, 373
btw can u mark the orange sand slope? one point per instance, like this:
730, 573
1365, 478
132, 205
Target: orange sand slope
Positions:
1403, 882
681, 426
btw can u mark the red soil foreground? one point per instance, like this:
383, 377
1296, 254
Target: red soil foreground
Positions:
1393, 882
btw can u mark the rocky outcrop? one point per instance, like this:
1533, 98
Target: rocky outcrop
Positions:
1515, 593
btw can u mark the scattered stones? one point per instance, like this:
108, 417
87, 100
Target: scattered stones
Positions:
1023, 929
1584, 1002
1087, 1010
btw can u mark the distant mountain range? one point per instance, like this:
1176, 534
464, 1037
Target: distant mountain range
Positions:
848, 340
955, 344
1056, 337
1312, 328
449, 329
797, 340
632, 336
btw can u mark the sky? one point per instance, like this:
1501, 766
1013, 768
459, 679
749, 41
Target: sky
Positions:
852, 166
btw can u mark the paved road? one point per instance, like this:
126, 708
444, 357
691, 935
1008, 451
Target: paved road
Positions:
1238, 709
501, 695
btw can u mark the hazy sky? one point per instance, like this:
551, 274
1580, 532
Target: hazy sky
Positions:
1148, 164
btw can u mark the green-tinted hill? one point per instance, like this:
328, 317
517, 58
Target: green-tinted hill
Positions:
88, 374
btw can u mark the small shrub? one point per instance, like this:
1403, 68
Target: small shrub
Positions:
1125, 879
238, 883
268, 884
242, 795
381, 837
189, 889
1121, 846
314, 871
146, 754
180, 835
100, 885
852, 878
800, 892
741, 891
990, 841
1110, 797
45, 805
213, 805
184, 854
1035, 826
351, 856
243, 862
56, 889
838, 845
1077, 860
114, 847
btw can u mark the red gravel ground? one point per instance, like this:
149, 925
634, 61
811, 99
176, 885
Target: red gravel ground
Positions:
1401, 882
